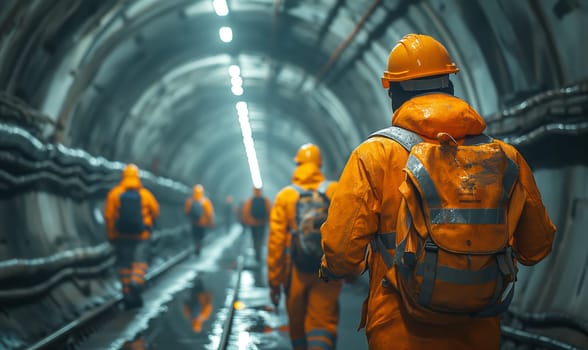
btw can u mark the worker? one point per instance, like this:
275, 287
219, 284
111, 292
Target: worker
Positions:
255, 216
130, 212
294, 254
200, 212
443, 212
198, 307
229, 212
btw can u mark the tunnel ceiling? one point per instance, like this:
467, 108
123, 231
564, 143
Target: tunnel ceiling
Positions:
147, 81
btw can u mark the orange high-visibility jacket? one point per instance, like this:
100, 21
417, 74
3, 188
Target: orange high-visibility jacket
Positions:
282, 221
248, 219
367, 202
111, 207
207, 218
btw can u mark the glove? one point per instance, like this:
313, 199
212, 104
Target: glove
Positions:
275, 294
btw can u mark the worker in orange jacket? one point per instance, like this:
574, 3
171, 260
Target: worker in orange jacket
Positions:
200, 211
255, 216
130, 212
312, 306
363, 215
198, 307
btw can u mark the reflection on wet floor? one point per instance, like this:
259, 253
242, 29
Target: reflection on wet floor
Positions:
193, 315
198, 306
185, 322
258, 324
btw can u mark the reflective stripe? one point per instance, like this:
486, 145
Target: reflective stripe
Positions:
138, 279
321, 333
425, 181
319, 344
139, 273
467, 216
463, 277
405, 138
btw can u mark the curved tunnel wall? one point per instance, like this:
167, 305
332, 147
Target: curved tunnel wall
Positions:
100, 76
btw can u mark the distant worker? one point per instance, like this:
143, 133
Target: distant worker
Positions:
200, 212
255, 216
443, 211
130, 212
198, 307
294, 254
229, 212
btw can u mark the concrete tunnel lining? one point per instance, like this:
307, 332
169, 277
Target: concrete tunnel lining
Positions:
77, 65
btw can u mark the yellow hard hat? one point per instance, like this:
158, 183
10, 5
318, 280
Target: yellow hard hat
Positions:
308, 153
418, 56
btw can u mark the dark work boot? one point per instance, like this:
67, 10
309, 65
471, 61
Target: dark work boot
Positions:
134, 299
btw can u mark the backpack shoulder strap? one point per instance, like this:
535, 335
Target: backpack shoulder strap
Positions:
298, 188
405, 138
322, 188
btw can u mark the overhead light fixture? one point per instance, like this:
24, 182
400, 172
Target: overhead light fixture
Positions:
237, 81
242, 108
234, 71
249, 143
220, 7
237, 90
226, 34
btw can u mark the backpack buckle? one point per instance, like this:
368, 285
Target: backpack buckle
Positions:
430, 246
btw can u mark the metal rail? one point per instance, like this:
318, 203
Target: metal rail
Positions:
62, 334
224, 342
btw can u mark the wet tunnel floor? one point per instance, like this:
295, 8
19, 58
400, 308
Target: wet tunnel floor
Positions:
187, 307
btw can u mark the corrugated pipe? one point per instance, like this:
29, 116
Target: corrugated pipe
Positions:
541, 341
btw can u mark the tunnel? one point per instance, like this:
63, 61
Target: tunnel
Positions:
223, 93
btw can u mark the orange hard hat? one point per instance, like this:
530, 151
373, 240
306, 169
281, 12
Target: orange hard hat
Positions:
308, 153
131, 170
198, 190
418, 56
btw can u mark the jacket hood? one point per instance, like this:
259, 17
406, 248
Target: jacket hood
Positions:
130, 181
307, 173
430, 114
198, 192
